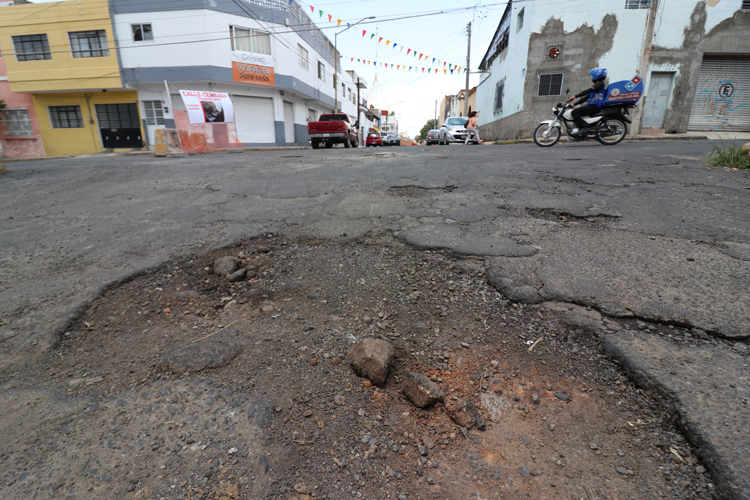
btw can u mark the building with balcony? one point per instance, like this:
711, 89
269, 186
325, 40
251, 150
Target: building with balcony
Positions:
275, 64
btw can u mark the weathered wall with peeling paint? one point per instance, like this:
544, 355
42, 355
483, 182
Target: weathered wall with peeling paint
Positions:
730, 36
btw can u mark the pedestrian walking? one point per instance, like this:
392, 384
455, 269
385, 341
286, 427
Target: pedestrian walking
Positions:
471, 128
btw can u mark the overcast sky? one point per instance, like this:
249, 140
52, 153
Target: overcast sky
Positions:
411, 95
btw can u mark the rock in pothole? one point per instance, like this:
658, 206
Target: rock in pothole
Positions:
421, 391
466, 415
371, 359
204, 355
226, 265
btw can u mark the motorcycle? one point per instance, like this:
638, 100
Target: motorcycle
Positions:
609, 126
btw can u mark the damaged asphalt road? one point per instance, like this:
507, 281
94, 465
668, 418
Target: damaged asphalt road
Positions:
641, 230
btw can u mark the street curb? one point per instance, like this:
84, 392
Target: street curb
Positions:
667, 137
151, 153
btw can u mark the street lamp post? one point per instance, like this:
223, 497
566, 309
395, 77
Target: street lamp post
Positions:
336, 64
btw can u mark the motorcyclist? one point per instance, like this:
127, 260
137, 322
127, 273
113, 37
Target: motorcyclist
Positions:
595, 97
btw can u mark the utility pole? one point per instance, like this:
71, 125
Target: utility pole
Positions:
434, 125
645, 62
359, 126
468, 65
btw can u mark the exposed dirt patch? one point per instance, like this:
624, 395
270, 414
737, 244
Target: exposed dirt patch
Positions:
417, 192
287, 417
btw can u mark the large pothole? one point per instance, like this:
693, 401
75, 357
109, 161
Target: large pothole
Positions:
288, 418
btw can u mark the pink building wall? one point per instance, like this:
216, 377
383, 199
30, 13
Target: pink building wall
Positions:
14, 146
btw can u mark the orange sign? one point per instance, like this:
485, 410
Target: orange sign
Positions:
252, 73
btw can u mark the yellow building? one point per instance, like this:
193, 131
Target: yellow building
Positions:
64, 54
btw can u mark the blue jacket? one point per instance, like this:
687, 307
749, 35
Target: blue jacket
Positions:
595, 94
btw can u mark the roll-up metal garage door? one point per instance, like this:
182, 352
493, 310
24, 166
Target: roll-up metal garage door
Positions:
722, 98
254, 119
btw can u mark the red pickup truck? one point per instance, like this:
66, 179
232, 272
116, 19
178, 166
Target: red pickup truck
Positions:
331, 129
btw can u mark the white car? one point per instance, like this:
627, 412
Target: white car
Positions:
453, 130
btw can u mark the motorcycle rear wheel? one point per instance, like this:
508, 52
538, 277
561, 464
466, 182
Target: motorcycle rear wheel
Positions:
551, 139
616, 132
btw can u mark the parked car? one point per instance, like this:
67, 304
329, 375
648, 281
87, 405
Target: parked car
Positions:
332, 128
386, 139
373, 139
453, 130
395, 140
432, 137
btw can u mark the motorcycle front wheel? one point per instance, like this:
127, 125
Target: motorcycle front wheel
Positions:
614, 132
546, 135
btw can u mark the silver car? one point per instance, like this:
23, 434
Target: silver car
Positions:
453, 130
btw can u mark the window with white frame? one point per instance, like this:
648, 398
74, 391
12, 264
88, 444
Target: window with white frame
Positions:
550, 84
18, 122
31, 47
89, 43
142, 32
519, 23
637, 4
321, 71
154, 112
303, 58
65, 116
247, 40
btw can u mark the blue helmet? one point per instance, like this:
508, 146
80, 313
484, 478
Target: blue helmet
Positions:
598, 74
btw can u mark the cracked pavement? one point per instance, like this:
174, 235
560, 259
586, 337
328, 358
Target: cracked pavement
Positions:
639, 230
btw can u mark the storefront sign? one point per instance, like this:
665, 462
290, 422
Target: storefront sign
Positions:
208, 107
256, 69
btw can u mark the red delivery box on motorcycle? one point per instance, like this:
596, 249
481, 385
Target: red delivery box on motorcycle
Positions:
624, 92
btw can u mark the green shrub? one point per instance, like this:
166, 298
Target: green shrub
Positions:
729, 156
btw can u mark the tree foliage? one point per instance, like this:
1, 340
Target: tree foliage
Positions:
431, 124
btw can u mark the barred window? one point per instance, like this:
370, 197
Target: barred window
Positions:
18, 122
746, 4
154, 112
246, 40
142, 32
637, 4
89, 43
65, 116
303, 59
550, 85
31, 47
499, 92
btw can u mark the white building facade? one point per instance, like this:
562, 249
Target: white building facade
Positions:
693, 55
276, 66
